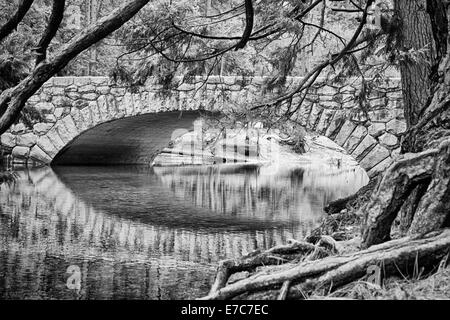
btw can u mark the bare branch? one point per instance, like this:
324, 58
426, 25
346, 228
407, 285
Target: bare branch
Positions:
249, 12
223, 13
352, 44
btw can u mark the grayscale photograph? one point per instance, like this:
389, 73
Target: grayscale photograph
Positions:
237, 150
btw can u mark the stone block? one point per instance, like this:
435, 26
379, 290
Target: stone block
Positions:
389, 140
47, 146
55, 139
86, 89
128, 104
71, 129
374, 157
382, 166
112, 106
41, 128
381, 115
89, 96
36, 153
8, 140
103, 90
73, 95
364, 147
324, 121
344, 132
78, 120
100, 81
396, 126
58, 112
26, 140
103, 107
62, 81
20, 152
95, 113
377, 128
336, 122
355, 138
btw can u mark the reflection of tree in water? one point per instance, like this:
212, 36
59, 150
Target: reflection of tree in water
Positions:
45, 227
299, 193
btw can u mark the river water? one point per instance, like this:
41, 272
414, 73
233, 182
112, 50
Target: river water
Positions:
151, 233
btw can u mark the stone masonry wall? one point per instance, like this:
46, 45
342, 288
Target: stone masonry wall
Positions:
65, 107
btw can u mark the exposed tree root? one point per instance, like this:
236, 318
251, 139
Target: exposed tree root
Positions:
406, 214
275, 256
332, 272
402, 188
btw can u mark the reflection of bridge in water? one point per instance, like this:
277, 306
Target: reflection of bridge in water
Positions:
280, 194
133, 237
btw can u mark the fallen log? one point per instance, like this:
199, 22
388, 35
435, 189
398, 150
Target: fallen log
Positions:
330, 273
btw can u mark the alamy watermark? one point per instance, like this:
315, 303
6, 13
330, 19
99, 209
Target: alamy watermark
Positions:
74, 280
374, 275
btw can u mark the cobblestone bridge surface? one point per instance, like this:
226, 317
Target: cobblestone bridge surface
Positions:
101, 122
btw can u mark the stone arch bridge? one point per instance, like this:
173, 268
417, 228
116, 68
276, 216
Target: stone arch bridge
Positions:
88, 120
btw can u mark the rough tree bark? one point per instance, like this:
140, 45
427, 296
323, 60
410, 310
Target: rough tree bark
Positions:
425, 165
415, 32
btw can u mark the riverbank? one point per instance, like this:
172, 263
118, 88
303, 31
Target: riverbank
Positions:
422, 287
346, 226
330, 264
434, 285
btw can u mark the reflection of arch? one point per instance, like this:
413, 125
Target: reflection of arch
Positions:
62, 210
86, 221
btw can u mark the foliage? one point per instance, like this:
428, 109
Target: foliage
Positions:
31, 115
17, 51
197, 38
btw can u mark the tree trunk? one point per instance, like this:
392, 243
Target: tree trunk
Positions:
415, 33
426, 166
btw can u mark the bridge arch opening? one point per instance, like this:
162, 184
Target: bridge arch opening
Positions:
130, 140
